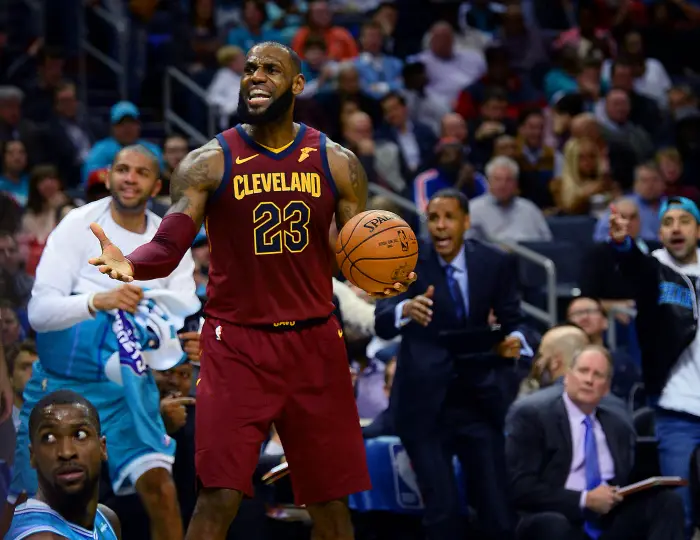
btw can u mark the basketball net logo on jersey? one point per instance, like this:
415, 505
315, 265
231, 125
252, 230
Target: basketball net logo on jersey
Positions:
305, 153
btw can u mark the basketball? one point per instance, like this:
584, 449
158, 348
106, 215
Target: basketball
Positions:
376, 249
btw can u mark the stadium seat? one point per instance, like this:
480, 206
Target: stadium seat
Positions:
575, 229
566, 257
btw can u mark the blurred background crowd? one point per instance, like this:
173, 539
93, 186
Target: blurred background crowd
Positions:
542, 112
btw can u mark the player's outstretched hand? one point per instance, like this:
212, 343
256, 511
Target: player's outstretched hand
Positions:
398, 288
112, 261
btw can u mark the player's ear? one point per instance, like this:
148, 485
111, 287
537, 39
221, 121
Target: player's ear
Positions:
467, 222
103, 448
32, 460
298, 83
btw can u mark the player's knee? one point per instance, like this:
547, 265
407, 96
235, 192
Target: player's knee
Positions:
156, 488
331, 521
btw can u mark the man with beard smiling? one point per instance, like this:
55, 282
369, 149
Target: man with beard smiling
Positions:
67, 451
448, 400
271, 349
66, 305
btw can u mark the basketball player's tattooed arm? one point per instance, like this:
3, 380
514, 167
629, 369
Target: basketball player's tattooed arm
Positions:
198, 175
351, 180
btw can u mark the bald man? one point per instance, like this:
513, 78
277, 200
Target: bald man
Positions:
555, 356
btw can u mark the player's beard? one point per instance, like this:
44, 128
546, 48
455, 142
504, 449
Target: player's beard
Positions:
276, 110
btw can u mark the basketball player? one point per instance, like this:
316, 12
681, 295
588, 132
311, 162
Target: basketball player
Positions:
67, 451
267, 191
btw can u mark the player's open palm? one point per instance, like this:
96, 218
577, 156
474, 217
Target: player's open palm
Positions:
619, 225
112, 261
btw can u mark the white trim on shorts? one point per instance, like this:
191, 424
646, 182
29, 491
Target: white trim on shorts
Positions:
139, 466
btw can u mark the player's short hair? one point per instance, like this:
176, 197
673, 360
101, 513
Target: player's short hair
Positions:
452, 193
62, 397
294, 57
141, 149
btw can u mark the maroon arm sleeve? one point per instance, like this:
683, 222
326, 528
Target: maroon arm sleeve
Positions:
159, 257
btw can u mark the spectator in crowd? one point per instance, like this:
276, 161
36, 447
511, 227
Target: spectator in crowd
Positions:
286, 16
589, 36
613, 114
198, 44
39, 98
348, 91
72, 133
45, 196
379, 72
582, 178
223, 90
382, 159
650, 77
14, 127
12, 332
670, 165
649, 188
644, 111
502, 215
126, 131
383, 424
524, 45
665, 297
71, 301
14, 179
539, 164
449, 69
17, 284
369, 384
562, 113
20, 360
490, 124
600, 278
10, 213
452, 171
175, 148
589, 314
470, 402
507, 146
563, 480
253, 28
521, 94
339, 42
415, 140
561, 79
453, 126
319, 71
423, 106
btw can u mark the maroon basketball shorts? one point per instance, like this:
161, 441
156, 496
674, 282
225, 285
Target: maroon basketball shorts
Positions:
297, 377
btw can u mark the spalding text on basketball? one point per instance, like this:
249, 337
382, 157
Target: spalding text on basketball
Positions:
374, 223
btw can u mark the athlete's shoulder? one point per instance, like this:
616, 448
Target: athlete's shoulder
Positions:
110, 520
37, 520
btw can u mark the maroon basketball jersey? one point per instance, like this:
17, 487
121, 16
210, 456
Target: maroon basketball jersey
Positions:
267, 226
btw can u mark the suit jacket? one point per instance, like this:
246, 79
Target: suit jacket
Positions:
539, 453
425, 138
425, 368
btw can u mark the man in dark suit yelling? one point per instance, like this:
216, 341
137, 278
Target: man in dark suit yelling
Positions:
455, 377
566, 458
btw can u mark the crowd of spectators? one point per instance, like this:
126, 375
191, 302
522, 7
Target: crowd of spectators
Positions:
542, 112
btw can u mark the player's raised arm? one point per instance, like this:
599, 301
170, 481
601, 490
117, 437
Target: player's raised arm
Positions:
351, 180
198, 175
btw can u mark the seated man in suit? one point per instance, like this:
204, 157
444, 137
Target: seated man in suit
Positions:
443, 403
567, 457
555, 357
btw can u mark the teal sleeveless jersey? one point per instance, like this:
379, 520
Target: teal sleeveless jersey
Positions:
34, 517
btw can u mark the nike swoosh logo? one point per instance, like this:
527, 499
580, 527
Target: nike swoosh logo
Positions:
239, 160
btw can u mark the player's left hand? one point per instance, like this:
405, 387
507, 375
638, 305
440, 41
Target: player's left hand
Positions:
509, 347
191, 345
398, 288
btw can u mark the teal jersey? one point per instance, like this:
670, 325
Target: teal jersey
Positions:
35, 517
